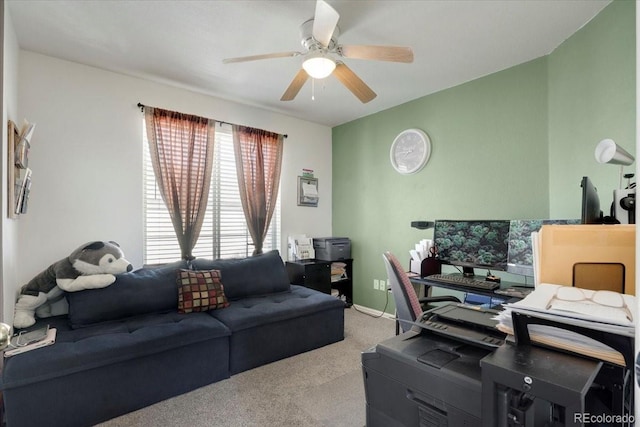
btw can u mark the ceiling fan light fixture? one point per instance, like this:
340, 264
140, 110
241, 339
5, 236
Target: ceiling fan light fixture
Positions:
319, 65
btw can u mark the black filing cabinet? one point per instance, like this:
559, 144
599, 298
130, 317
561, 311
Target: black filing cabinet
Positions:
311, 273
316, 274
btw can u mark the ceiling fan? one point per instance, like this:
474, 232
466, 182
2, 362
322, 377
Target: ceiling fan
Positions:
321, 58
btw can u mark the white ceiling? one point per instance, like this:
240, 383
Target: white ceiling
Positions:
183, 43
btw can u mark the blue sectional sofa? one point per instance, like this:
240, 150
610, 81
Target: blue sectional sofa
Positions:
126, 346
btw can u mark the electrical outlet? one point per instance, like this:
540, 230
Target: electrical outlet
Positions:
383, 285
376, 284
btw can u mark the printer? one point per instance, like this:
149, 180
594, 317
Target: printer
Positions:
423, 379
332, 248
454, 368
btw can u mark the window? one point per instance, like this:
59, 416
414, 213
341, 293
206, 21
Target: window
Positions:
224, 231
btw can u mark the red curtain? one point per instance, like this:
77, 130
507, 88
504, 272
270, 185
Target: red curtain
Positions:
258, 164
181, 148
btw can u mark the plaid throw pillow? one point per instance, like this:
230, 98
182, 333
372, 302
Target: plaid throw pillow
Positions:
200, 291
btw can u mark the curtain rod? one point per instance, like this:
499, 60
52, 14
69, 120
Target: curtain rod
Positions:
141, 107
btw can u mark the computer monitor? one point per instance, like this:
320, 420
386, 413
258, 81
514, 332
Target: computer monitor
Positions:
520, 258
473, 244
591, 213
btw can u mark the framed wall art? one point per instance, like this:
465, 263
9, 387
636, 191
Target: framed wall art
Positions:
307, 191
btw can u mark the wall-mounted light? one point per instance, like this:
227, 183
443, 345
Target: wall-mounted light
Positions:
607, 151
422, 225
318, 65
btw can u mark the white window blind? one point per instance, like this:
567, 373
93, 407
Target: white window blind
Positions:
224, 231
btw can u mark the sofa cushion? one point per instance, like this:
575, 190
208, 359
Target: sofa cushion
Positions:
200, 290
97, 373
108, 343
257, 311
271, 327
147, 290
243, 277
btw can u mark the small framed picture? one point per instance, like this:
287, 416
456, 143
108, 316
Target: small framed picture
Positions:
307, 191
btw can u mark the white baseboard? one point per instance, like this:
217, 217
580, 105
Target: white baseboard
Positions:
372, 312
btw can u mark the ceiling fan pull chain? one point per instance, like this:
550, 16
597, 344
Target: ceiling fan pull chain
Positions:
313, 89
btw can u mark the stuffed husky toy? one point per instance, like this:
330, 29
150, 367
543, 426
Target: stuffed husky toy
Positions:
91, 266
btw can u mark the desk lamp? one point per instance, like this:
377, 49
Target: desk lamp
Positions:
607, 151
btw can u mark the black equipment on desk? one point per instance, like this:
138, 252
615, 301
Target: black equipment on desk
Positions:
426, 267
467, 282
418, 379
467, 323
530, 386
430, 375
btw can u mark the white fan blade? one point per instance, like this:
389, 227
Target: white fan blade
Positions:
258, 57
324, 22
378, 53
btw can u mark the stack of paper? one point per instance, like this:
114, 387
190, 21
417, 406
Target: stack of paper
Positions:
301, 247
338, 271
542, 303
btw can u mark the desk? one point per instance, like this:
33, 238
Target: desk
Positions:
424, 281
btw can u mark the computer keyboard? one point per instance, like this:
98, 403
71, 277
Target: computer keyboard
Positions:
467, 282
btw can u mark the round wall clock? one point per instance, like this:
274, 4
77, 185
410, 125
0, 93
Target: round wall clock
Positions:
410, 151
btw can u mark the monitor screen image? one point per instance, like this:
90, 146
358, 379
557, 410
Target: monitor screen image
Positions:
469, 244
520, 258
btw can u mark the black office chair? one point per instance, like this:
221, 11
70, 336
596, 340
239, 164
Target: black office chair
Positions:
408, 306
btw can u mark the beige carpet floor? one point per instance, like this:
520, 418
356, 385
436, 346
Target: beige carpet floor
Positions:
320, 388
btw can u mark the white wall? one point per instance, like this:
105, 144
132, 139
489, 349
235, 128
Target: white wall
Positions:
9, 249
86, 156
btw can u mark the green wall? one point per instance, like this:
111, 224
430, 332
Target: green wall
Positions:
591, 97
488, 145
490, 158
